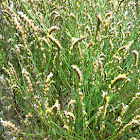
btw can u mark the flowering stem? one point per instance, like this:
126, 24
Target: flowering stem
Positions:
3, 34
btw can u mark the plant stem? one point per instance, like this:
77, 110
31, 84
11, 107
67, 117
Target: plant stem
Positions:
3, 33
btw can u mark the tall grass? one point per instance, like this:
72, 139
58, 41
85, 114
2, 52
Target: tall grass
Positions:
72, 70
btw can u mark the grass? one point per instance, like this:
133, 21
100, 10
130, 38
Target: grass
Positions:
71, 70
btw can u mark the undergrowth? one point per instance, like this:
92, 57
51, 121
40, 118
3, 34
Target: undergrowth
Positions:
71, 70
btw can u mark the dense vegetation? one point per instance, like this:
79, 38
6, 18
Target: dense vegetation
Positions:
69, 69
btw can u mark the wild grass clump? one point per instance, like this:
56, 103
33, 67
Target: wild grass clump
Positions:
71, 70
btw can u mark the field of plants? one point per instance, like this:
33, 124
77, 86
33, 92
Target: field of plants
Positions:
69, 70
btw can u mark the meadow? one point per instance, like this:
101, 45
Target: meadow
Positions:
69, 70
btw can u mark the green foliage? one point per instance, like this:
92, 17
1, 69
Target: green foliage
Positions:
72, 70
